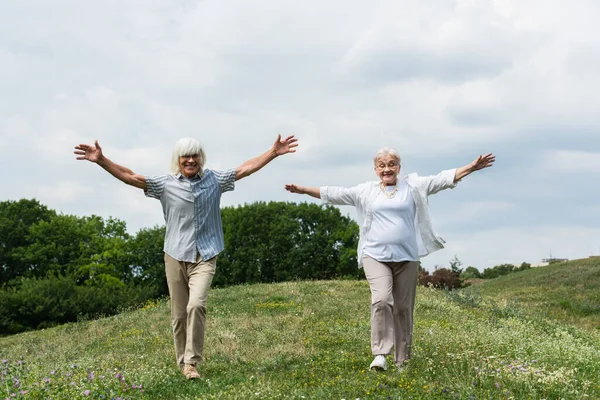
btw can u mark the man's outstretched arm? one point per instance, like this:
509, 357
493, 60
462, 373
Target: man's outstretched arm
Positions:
280, 147
124, 174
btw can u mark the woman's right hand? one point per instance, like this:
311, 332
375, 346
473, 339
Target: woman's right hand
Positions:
293, 188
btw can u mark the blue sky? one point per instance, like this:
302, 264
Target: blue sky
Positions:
441, 81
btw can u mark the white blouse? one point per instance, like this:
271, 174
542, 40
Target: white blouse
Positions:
393, 237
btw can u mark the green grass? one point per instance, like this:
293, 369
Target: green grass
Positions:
567, 291
308, 340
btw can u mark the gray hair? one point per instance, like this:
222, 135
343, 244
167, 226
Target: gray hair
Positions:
386, 151
187, 147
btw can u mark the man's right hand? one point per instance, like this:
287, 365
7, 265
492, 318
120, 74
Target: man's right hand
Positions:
90, 153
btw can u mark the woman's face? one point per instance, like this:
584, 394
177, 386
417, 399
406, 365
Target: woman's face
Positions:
387, 169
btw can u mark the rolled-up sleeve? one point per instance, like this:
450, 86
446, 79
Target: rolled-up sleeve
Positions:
339, 195
155, 186
441, 181
226, 179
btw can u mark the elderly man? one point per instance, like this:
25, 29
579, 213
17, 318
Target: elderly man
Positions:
190, 198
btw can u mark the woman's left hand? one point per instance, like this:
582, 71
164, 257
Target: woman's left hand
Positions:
287, 145
482, 162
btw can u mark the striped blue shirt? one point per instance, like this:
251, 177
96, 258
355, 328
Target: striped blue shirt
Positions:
192, 210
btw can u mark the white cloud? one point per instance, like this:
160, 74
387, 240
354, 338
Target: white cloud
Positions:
442, 81
570, 161
62, 191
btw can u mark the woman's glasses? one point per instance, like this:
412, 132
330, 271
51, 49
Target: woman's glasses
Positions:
391, 165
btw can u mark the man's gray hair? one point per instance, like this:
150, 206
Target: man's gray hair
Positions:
186, 147
386, 151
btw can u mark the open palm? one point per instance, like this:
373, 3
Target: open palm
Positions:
87, 152
482, 162
285, 146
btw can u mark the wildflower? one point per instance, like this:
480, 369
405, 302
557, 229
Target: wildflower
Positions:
86, 393
52, 372
17, 382
497, 385
19, 362
91, 376
4, 361
46, 380
24, 391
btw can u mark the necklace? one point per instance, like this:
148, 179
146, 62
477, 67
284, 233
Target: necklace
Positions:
389, 195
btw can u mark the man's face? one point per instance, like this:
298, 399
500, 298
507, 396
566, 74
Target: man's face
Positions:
189, 165
387, 169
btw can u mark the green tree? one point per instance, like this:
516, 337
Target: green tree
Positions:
455, 264
470, 273
524, 265
277, 241
498, 270
16, 217
85, 248
147, 258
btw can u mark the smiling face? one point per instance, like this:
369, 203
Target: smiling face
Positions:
387, 168
189, 165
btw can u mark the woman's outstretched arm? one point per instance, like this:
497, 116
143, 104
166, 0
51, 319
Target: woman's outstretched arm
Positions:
311, 191
480, 162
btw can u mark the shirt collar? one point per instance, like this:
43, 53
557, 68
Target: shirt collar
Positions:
199, 175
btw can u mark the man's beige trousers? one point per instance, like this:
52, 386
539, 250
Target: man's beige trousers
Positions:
393, 289
188, 287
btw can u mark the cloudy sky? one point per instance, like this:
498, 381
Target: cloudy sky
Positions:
442, 81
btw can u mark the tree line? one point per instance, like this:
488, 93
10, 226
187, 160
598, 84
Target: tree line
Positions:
57, 268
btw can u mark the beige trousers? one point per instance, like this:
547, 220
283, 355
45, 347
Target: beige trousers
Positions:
393, 289
188, 287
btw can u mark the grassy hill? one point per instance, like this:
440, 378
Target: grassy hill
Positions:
307, 340
568, 291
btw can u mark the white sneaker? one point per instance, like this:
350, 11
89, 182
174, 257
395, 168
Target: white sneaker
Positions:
379, 363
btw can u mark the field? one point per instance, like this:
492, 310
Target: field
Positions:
568, 291
308, 340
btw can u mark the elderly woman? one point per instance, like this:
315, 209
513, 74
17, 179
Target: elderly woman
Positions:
395, 230
190, 197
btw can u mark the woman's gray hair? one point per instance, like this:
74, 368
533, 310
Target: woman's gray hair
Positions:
186, 147
386, 151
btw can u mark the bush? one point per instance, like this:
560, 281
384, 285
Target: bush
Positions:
40, 303
470, 273
442, 278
